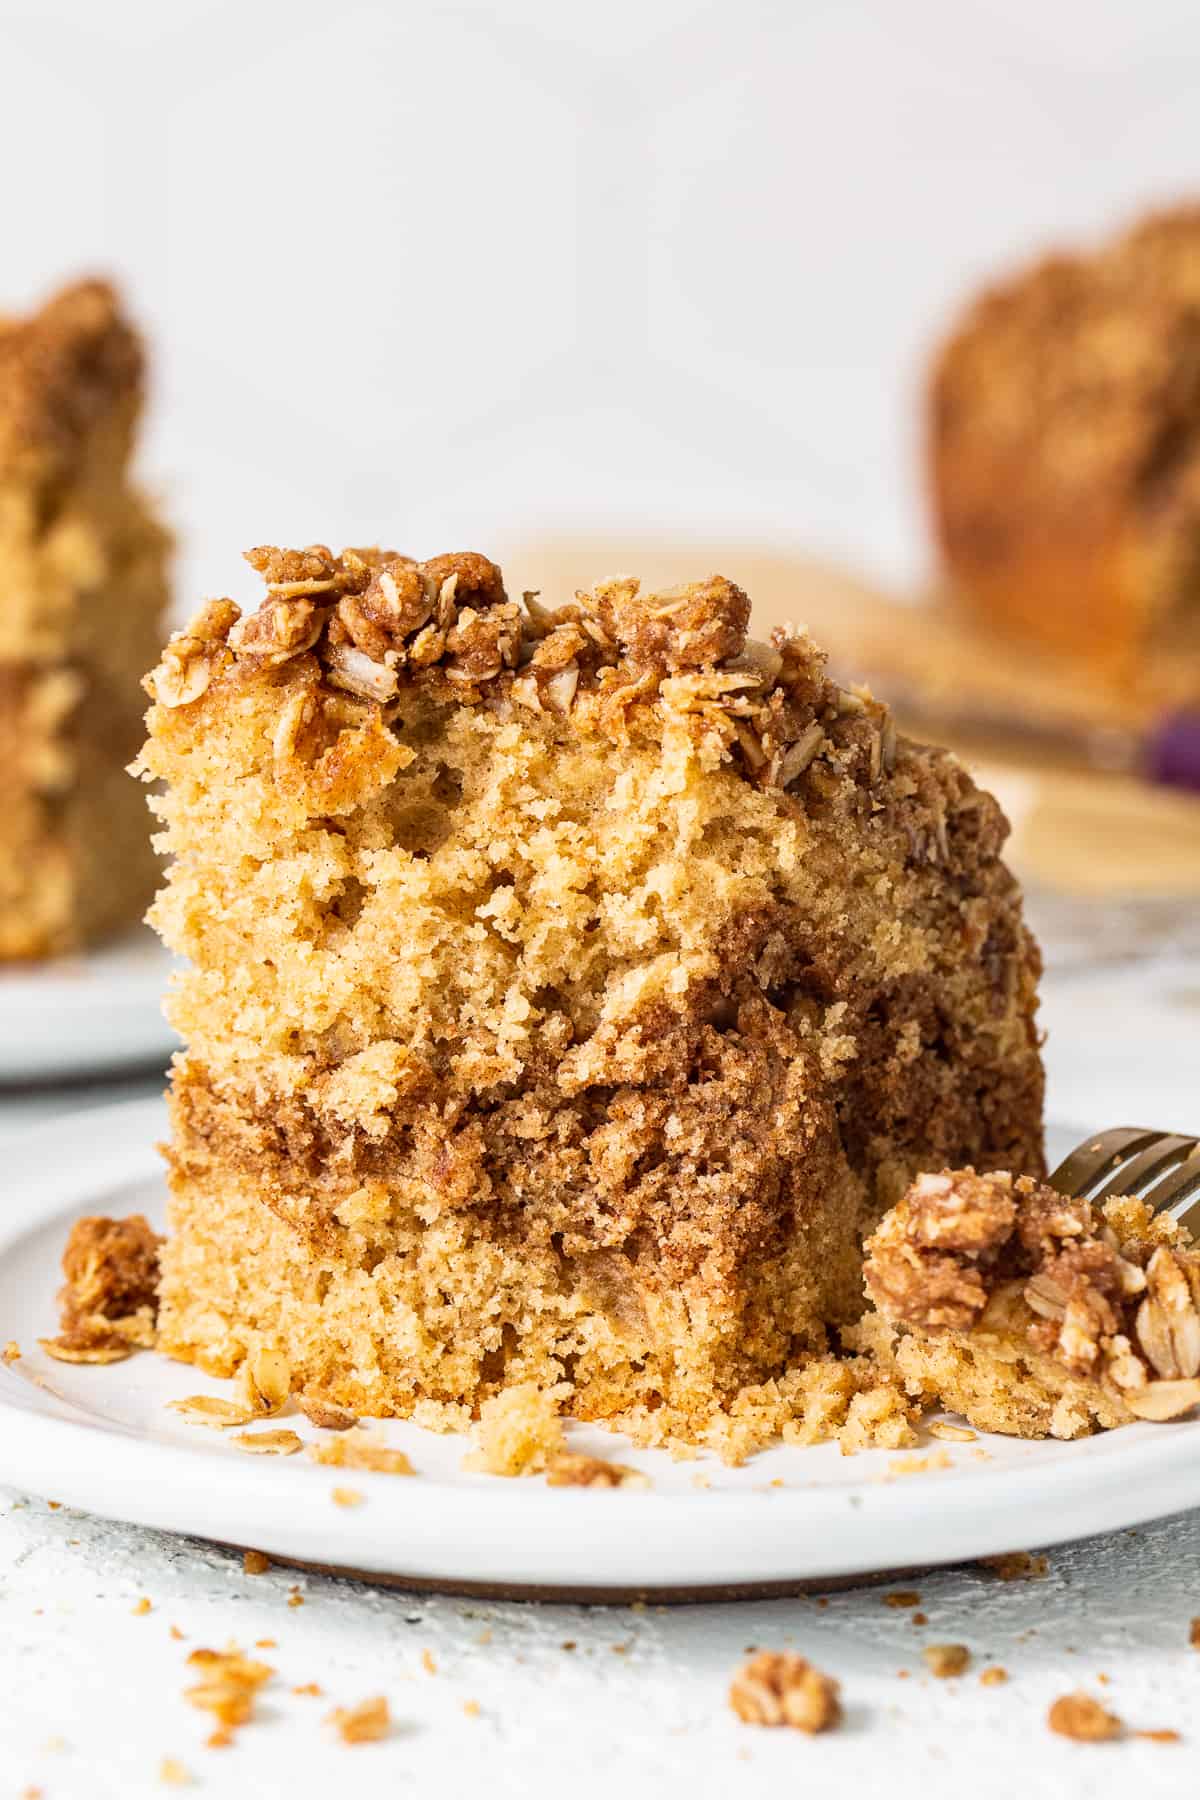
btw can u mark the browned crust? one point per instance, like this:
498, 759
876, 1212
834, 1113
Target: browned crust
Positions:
62, 370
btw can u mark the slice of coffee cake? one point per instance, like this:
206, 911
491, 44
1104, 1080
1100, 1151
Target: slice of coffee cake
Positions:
568, 991
81, 601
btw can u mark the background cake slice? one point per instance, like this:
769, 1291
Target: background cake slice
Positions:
568, 991
82, 594
1064, 458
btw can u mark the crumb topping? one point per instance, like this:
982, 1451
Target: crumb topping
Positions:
777, 1687
1112, 1297
363, 622
108, 1303
1016, 1565
365, 1723
945, 1660
227, 1686
1081, 1717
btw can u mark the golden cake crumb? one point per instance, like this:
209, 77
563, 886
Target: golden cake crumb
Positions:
365, 1723
1159, 1736
295, 1599
255, 1562
312, 1688
1081, 1717
359, 1452
172, 1773
12, 1351
993, 1676
1194, 1634
1016, 1565
779, 1688
931, 1464
902, 1598
518, 1433
429, 1662
142, 1607
346, 1496
227, 1685
953, 1434
944, 1660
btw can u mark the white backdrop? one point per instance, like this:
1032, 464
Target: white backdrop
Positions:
447, 274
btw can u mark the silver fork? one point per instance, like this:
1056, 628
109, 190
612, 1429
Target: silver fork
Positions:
1160, 1167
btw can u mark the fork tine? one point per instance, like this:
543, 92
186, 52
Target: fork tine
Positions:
1097, 1157
1146, 1168
1176, 1187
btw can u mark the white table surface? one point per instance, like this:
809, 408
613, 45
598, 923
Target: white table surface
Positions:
90, 1691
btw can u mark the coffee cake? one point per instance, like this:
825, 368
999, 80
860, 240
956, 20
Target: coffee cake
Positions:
1064, 457
568, 991
80, 616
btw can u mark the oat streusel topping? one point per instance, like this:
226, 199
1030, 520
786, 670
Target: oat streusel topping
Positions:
1112, 1297
370, 619
777, 1687
109, 1302
573, 1469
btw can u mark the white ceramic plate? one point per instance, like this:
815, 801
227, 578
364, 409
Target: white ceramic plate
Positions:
101, 1439
85, 1014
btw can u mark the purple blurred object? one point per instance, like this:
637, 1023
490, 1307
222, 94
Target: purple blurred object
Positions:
1172, 751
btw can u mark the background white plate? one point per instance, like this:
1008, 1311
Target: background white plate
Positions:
85, 1014
101, 1439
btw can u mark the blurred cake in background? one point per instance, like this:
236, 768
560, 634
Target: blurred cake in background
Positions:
1064, 460
82, 596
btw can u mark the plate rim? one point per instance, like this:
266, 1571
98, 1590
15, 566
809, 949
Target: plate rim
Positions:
85, 1014
519, 1534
